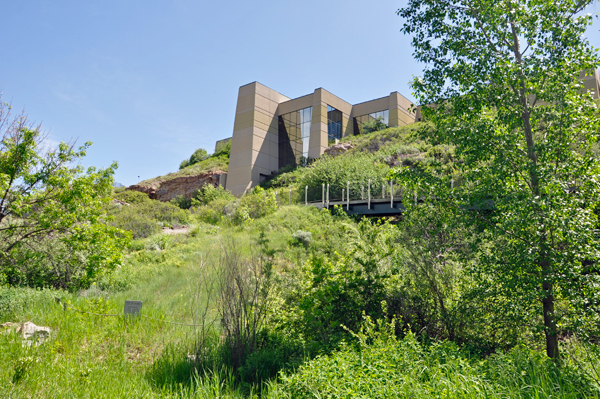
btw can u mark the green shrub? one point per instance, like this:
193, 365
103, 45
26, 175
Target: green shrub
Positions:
198, 156
14, 301
381, 366
132, 197
209, 193
203, 196
223, 150
214, 212
146, 218
356, 168
302, 237
255, 205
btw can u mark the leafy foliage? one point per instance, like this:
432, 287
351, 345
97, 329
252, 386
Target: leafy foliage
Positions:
373, 125
52, 229
198, 156
505, 81
382, 366
146, 217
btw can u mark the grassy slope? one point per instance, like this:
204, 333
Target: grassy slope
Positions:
108, 357
383, 145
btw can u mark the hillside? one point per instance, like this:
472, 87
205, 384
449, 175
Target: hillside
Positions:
185, 182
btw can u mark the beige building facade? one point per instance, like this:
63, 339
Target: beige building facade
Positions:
271, 130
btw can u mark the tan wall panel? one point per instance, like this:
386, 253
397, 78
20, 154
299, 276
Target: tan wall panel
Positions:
295, 104
242, 159
369, 107
249, 131
245, 104
393, 117
266, 105
247, 90
336, 102
347, 127
272, 137
404, 119
270, 93
242, 144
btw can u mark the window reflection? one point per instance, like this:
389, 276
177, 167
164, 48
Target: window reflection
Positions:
334, 123
294, 136
360, 121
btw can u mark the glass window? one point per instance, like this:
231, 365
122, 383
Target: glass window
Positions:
371, 123
294, 136
334, 124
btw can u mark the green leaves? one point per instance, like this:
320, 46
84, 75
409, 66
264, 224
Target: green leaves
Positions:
52, 229
502, 84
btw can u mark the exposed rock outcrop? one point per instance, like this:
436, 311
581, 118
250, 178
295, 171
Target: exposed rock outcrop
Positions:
338, 149
178, 186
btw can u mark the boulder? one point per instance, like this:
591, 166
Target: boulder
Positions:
29, 330
338, 149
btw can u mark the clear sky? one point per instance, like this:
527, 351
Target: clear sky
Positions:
150, 81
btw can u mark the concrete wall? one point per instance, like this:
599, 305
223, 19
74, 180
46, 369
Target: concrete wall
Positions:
254, 144
592, 83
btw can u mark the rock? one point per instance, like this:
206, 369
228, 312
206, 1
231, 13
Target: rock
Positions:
338, 149
31, 334
119, 202
180, 186
30, 330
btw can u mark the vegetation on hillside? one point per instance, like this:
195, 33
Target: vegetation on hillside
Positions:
53, 229
215, 162
487, 287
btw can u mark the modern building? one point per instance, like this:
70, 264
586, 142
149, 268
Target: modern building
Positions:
272, 130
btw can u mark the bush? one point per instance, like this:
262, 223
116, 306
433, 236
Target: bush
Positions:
223, 150
255, 205
381, 366
132, 197
14, 301
209, 193
146, 218
198, 156
356, 168
302, 237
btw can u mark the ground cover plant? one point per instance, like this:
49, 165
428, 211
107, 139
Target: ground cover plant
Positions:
486, 286
323, 270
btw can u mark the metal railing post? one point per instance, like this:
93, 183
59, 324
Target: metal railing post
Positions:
343, 195
391, 193
369, 195
382, 190
323, 195
348, 196
327, 195
306, 195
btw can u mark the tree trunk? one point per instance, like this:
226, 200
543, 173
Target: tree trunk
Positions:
550, 328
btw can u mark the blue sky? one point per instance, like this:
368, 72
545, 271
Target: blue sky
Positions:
150, 81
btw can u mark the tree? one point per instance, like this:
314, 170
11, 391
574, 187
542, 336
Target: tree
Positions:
52, 230
503, 85
199, 155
